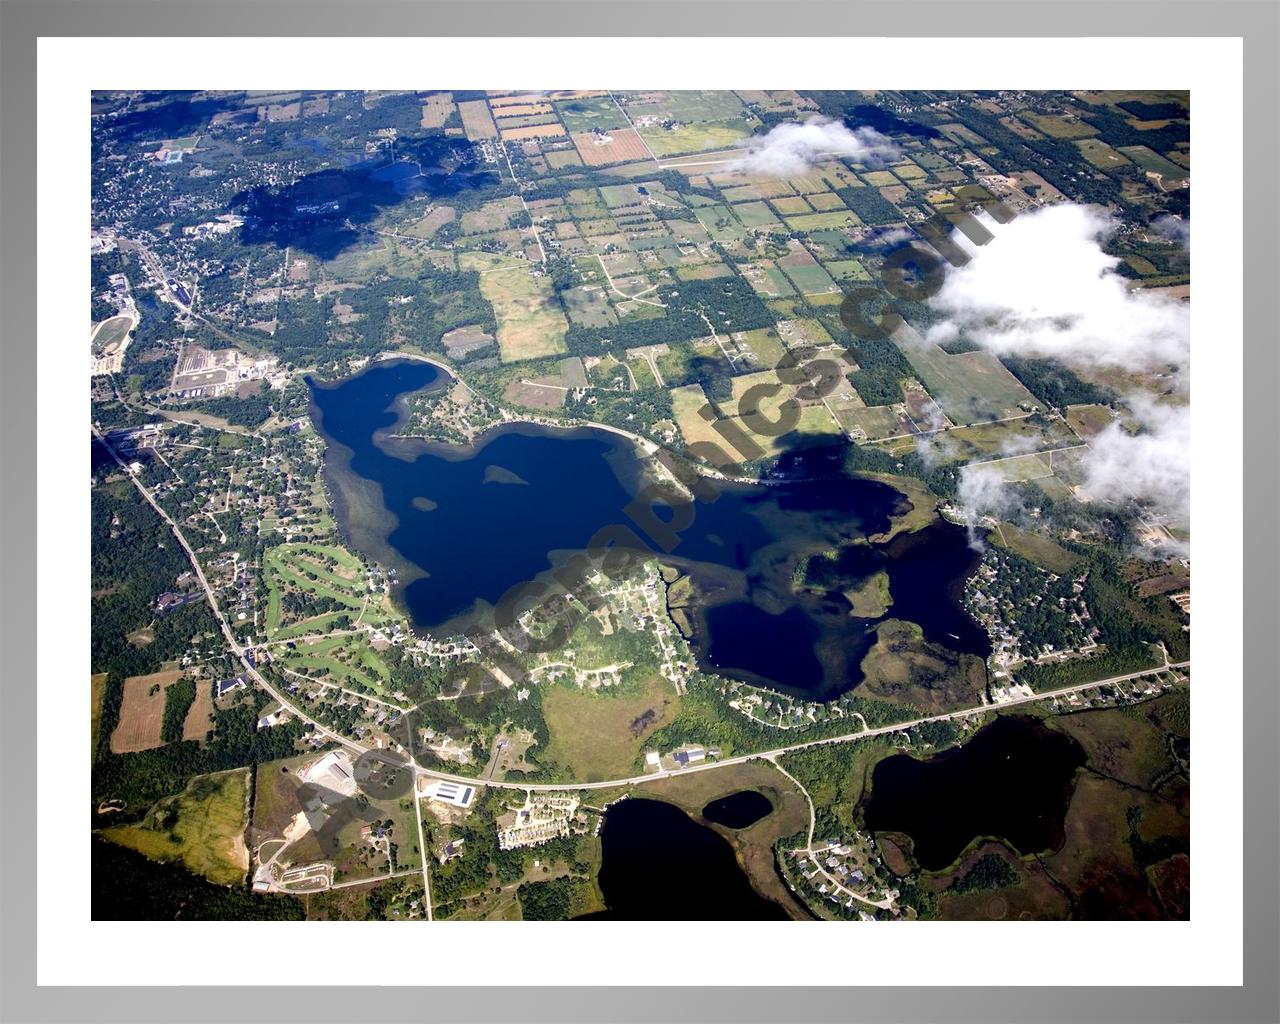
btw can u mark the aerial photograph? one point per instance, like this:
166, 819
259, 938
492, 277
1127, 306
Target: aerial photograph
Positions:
574, 504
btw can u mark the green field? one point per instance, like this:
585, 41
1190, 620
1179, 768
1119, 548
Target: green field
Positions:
823, 221
705, 137
720, 223
202, 828
582, 115
303, 567
1060, 127
97, 690
112, 331
530, 324
755, 215
971, 387
811, 279
847, 270
1149, 160
588, 306
689, 105
767, 279
591, 734
1100, 155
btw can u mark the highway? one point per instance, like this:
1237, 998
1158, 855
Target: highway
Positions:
770, 755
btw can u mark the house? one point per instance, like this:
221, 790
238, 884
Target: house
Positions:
225, 686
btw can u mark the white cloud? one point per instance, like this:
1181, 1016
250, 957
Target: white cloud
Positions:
1152, 465
982, 491
935, 450
793, 148
1175, 229
1043, 287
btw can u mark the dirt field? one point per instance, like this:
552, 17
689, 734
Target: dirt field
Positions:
534, 394
625, 145
97, 690
436, 109
200, 714
476, 120
463, 341
535, 131
141, 712
502, 111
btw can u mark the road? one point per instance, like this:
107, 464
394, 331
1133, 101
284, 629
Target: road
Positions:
239, 651
884, 904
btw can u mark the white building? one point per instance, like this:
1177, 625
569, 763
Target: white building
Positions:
455, 793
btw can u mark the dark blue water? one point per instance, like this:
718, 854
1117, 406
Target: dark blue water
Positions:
466, 525
781, 646
1013, 780
658, 864
738, 810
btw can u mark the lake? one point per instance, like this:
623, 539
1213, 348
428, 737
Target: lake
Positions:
738, 810
462, 525
660, 865
1012, 780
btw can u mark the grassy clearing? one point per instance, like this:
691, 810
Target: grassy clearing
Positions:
988, 440
1089, 420
591, 731
202, 828
1035, 548
530, 323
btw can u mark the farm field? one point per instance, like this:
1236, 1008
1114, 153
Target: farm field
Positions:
200, 715
623, 145
972, 387
476, 120
142, 712
202, 828
1100, 155
703, 137
436, 109
530, 324
97, 690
